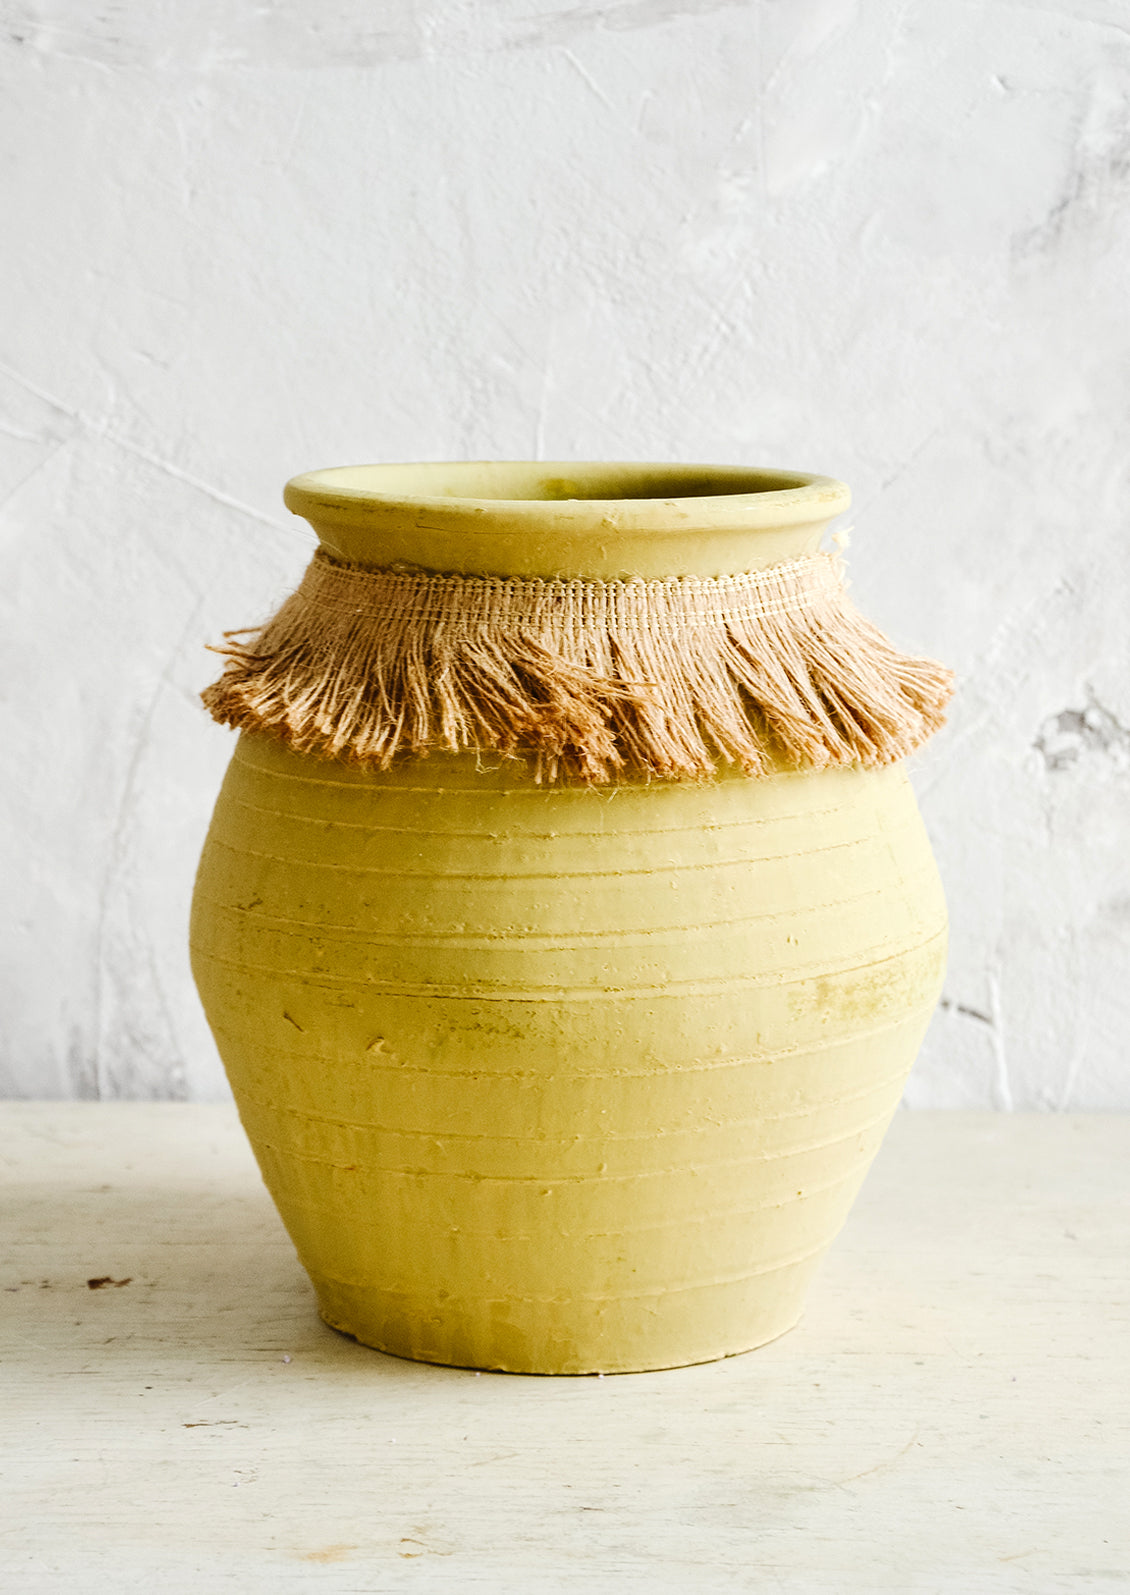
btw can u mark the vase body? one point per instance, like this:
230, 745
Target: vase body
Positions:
562, 1079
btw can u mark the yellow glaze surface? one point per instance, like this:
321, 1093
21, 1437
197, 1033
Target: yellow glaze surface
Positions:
561, 1080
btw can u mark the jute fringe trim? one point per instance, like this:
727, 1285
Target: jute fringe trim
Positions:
596, 679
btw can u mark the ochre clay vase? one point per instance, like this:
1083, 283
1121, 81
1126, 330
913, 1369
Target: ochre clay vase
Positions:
563, 1079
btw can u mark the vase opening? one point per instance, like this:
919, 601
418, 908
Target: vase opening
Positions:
533, 481
597, 519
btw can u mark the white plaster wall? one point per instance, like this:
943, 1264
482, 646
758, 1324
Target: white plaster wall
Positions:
884, 239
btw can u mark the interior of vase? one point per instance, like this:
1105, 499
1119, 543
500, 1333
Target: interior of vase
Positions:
541, 481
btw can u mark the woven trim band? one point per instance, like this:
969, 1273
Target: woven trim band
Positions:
595, 679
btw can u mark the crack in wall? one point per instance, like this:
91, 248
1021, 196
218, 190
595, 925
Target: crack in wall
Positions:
1097, 178
1000, 1051
214, 38
948, 1006
1094, 732
99, 429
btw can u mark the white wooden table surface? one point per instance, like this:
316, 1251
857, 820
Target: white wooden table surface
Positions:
951, 1415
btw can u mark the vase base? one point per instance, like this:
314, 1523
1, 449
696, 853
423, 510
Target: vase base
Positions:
578, 1373
564, 1346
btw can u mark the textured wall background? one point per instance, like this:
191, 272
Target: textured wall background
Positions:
884, 239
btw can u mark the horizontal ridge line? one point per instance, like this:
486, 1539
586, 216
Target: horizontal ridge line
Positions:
628, 1295
778, 1155
572, 939
655, 1134
588, 993
711, 1216
616, 833
763, 1060
436, 876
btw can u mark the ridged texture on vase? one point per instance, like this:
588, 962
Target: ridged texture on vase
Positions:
563, 1080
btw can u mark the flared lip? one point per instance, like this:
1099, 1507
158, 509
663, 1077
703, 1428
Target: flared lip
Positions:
642, 494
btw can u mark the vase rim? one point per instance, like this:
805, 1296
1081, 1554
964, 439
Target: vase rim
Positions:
656, 495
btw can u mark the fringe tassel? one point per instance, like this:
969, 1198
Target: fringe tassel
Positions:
597, 679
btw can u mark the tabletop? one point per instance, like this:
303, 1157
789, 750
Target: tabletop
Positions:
952, 1413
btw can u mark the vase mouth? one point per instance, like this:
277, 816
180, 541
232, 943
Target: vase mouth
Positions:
606, 489
549, 518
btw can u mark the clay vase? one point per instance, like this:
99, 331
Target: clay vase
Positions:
563, 1078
